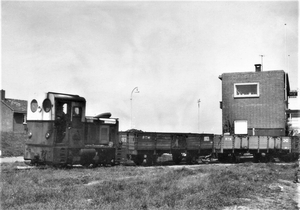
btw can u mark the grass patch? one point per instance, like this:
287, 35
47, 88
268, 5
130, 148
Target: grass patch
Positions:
207, 187
12, 144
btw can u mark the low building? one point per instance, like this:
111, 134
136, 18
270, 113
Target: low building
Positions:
13, 114
293, 122
255, 103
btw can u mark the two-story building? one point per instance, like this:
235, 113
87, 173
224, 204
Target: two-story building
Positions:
255, 103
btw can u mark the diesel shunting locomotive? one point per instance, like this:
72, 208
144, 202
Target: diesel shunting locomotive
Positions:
59, 133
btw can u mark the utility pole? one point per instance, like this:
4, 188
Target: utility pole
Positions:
288, 64
198, 115
136, 91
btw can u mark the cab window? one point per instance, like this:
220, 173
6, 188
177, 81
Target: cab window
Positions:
77, 111
76, 116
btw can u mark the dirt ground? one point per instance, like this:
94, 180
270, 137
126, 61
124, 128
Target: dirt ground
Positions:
281, 198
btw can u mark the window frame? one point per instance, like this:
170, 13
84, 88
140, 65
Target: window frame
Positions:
34, 105
241, 127
74, 114
246, 96
104, 132
47, 105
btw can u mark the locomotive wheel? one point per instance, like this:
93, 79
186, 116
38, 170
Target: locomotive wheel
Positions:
62, 166
112, 162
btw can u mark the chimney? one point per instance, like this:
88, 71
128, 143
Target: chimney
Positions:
257, 67
2, 94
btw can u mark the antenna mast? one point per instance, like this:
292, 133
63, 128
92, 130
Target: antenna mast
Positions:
262, 61
198, 114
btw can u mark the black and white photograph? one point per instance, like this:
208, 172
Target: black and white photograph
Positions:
150, 105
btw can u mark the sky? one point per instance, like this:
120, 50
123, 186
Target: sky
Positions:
173, 51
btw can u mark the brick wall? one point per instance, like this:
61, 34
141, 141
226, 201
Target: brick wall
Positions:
264, 112
6, 118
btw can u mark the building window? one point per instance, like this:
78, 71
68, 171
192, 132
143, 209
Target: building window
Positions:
243, 90
240, 127
18, 122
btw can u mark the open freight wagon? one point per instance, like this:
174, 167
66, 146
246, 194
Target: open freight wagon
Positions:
258, 148
150, 146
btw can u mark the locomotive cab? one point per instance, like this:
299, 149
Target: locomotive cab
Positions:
68, 118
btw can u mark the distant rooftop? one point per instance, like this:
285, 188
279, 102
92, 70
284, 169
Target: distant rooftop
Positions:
16, 105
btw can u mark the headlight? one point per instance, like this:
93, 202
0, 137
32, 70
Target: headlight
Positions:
29, 135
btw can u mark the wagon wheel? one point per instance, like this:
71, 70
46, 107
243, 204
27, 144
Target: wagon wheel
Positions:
112, 162
270, 158
237, 158
177, 157
94, 165
85, 163
154, 159
149, 160
138, 160
222, 158
256, 157
189, 159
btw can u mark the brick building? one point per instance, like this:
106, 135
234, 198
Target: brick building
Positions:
13, 114
255, 103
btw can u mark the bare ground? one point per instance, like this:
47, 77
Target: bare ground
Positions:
282, 196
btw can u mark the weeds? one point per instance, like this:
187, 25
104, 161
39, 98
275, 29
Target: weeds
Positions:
208, 187
12, 144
